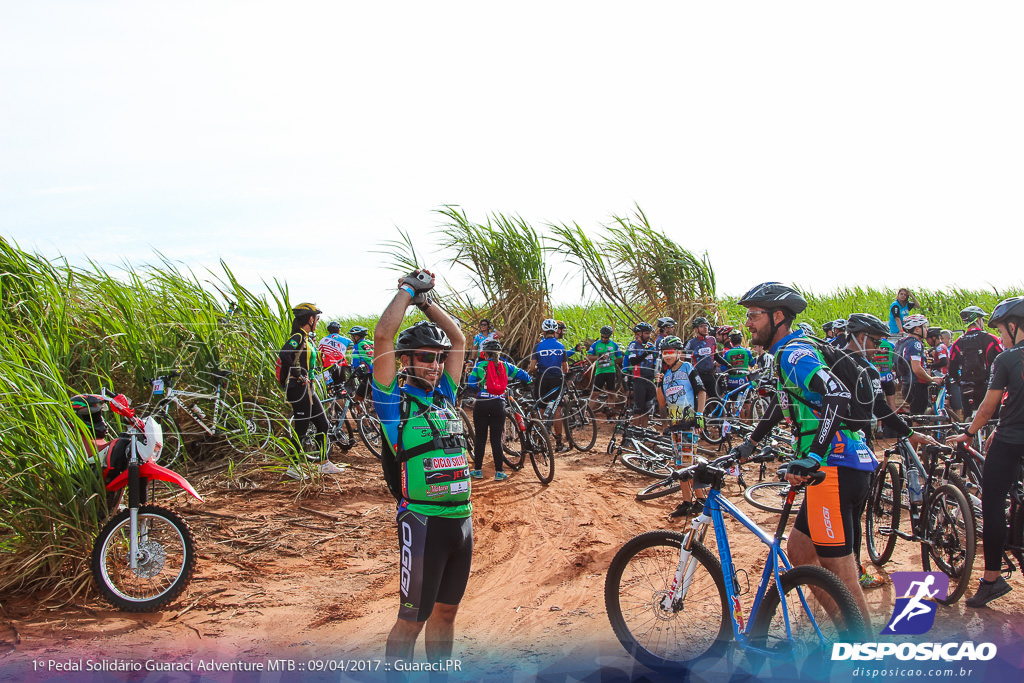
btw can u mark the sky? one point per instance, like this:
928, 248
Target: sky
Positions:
821, 144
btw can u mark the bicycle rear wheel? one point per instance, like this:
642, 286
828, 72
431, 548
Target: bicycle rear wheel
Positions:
512, 443
542, 453
247, 427
830, 606
582, 427
770, 496
369, 432
639, 580
883, 511
951, 540
658, 489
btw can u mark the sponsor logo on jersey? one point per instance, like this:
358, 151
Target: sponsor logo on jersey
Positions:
444, 463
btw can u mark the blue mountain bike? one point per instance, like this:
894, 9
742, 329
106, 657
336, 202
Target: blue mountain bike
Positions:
671, 601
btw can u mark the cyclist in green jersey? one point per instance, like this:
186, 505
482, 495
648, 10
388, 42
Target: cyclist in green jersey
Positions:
426, 466
606, 356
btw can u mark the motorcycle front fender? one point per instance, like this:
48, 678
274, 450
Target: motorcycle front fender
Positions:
149, 470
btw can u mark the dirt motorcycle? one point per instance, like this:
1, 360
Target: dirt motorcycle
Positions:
145, 555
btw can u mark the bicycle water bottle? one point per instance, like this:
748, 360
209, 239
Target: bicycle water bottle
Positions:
519, 422
914, 484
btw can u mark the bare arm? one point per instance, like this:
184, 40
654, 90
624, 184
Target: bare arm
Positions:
384, 338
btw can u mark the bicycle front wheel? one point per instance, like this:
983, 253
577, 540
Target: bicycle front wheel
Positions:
247, 427
582, 428
164, 566
173, 450
829, 606
542, 454
714, 421
770, 496
646, 465
883, 513
637, 590
951, 540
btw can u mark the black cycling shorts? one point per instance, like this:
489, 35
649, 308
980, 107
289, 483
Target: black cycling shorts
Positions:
832, 511
917, 397
644, 394
889, 388
604, 382
436, 554
548, 388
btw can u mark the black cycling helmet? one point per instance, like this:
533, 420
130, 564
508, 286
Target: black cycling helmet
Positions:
698, 321
865, 322
775, 295
933, 332
827, 327
561, 325
422, 334
491, 345
666, 322
972, 313
333, 327
643, 327
1007, 308
606, 331
672, 342
358, 331
306, 309
736, 337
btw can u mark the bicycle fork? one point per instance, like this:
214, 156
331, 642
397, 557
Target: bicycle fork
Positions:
687, 566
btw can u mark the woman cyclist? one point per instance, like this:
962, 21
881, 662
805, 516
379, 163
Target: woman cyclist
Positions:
491, 375
1006, 385
297, 361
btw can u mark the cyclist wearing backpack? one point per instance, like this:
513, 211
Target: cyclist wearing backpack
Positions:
899, 309
839, 330
827, 527
295, 363
738, 361
865, 332
970, 360
915, 375
1006, 450
424, 457
606, 356
491, 376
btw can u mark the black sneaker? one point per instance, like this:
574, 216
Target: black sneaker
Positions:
987, 592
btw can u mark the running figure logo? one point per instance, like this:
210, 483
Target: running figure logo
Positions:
914, 613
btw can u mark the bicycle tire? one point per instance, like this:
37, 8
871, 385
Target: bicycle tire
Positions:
512, 444
646, 465
369, 432
956, 480
468, 432
758, 409
770, 496
612, 448
949, 517
582, 428
542, 453
658, 489
830, 603
173, 451
164, 570
640, 574
714, 421
883, 510
247, 427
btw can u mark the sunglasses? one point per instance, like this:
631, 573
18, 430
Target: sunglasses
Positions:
876, 340
430, 356
754, 314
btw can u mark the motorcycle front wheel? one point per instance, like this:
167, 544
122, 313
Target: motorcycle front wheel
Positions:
165, 562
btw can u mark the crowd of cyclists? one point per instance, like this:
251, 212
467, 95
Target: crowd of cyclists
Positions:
835, 392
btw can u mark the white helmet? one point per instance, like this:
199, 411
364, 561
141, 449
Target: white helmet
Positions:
549, 325
839, 325
915, 320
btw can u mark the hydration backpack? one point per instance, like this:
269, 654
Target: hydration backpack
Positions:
856, 375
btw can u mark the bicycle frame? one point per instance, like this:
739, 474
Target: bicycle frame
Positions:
175, 396
715, 508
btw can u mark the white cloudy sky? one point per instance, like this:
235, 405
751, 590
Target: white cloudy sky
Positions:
814, 142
